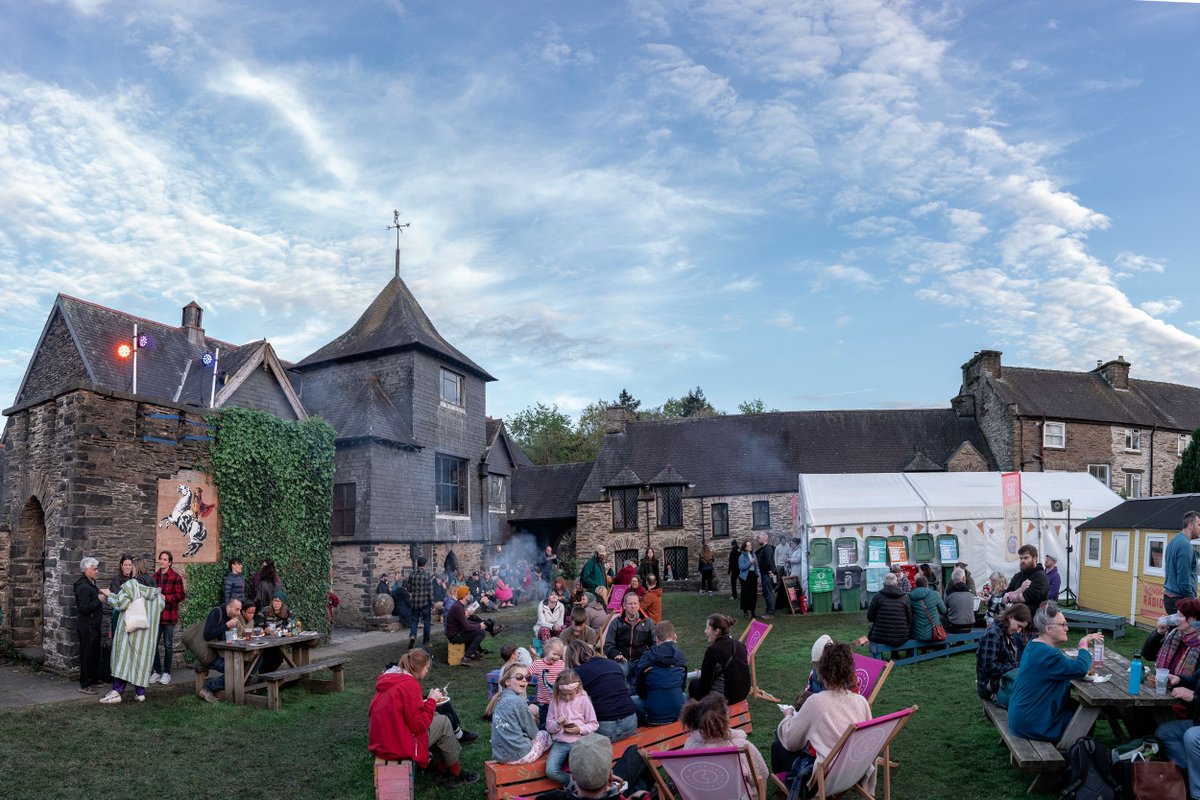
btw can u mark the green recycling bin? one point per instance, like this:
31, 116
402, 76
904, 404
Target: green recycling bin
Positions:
820, 586
820, 551
849, 583
922, 548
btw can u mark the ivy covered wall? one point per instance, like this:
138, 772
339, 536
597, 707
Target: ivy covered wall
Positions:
275, 481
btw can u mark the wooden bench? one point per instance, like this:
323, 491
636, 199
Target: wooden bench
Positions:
507, 781
274, 680
955, 643
1040, 758
1092, 621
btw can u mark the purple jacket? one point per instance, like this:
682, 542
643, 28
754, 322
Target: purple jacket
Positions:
1055, 583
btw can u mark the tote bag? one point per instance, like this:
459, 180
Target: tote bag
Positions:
135, 615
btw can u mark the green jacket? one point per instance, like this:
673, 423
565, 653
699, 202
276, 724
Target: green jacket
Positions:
925, 598
593, 574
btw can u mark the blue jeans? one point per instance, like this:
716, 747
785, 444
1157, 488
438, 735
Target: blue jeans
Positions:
554, 762
216, 684
618, 729
1181, 740
768, 593
419, 614
166, 635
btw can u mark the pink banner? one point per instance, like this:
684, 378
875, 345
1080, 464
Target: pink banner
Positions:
1010, 489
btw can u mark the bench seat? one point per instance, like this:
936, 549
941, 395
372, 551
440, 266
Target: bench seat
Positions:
508, 781
955, 643
1041, 758
274, 680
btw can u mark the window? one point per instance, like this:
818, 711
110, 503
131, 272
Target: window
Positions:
624, 507
1156, 547
1185, 439
761, 511
1055, 435
622, 556
1091, 553
451, 484
1133, 485
341, 521
1101, 472
1119, 557
497, 500
452, 388
1133, 440
677, 559
670, 506
720, 520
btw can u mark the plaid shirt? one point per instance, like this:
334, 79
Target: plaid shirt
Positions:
420, 587
997, 653
171, 586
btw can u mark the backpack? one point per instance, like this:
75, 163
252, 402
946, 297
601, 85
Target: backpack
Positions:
1089, 772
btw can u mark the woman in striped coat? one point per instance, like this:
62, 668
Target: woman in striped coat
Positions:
133, 651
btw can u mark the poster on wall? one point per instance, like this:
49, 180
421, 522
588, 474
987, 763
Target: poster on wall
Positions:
189, 522
1150, 603
1010, 489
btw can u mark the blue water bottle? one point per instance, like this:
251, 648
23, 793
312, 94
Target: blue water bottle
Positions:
1135, 675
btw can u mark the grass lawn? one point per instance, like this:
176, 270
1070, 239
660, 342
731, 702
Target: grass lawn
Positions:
316, 747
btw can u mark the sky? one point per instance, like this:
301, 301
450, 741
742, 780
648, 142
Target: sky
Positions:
823, 204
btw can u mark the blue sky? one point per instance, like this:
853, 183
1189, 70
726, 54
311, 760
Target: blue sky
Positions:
821, 204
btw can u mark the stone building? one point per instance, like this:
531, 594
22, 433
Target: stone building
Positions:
1127, 433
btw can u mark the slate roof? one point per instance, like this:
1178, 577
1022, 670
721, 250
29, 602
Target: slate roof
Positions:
394, 321
1163, 513
758, 453
497, 434
367, 412
1087, 396
162, 367
197, 384
548, 492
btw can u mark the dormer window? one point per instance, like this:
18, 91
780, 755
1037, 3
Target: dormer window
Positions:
452, 388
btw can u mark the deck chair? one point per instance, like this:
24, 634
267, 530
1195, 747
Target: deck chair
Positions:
718, 773
871, 674
862, 746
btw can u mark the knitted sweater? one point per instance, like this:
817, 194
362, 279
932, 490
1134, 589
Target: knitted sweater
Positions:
822, 720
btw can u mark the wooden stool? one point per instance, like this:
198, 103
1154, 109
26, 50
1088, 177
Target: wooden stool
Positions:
454, 653
393, 780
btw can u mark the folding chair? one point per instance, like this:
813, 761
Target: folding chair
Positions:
871, 674
862, 746
718, 773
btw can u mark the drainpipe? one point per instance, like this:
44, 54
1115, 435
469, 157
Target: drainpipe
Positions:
1020, 465
1042, 445
1153, 430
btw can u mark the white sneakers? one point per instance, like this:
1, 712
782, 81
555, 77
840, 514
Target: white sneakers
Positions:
111, 697
141, 698
164, 680
154, 676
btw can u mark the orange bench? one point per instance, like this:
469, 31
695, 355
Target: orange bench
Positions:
508, 781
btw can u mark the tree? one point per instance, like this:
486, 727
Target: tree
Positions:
694, 404
755, 406
1187, 473
545, 434
630, 402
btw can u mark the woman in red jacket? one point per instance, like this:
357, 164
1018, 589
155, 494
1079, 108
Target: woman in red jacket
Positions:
405, 726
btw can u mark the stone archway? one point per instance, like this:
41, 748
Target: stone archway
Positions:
27, 577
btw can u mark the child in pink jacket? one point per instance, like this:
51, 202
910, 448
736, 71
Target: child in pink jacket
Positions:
569, 718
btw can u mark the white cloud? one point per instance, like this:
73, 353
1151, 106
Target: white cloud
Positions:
1161, 308
843, 274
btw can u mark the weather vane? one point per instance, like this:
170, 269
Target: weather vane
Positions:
398, 226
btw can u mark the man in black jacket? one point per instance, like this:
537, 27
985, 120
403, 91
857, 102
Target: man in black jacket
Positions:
1029, 586
89, 611
766, 573
630, 634
219, 620
890, 614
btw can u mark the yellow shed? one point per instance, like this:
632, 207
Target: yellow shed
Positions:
1121, 555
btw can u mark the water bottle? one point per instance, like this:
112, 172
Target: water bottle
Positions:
1135, 675
1098, 658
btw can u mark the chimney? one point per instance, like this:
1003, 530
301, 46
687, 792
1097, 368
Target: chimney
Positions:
985, 362
192, 314
1116, 373
615, 418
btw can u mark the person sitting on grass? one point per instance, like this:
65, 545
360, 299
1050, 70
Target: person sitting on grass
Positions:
1041, 705
999, 653
960, 604
515, 735
813, 730
549, 617
927, 610
544, 672
725, 669
890, 614
658, 681
569, 718
504, 593
707, 723
579, 630
404, 727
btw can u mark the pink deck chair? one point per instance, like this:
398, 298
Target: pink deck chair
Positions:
870, 674
718, 773
864, 745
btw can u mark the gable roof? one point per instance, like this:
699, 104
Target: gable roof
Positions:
1087, 396
394, 321
367, 412
759, 453
497, 434
1163, 513
548, 492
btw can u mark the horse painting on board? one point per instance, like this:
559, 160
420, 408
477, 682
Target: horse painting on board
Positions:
183, 512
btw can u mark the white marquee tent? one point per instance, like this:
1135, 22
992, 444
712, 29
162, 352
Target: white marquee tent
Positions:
967, 504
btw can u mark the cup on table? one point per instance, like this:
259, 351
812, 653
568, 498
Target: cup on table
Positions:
230, 636
1160, 680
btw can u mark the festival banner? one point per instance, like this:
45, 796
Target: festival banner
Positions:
1010, 488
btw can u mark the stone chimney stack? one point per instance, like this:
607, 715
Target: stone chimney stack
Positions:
615, 419
985, 362
192, 314
1116, 373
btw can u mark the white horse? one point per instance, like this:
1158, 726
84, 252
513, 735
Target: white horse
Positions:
186, 522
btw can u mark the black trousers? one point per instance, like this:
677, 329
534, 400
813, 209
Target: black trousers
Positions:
89, 656
472, 639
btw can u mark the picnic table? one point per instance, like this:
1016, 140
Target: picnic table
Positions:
242, 655
1113, 700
